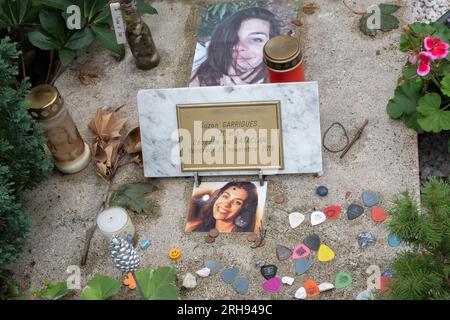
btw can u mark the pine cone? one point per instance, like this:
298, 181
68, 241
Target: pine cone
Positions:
124, 255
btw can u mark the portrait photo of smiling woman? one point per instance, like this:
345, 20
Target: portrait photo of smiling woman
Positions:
233, 53
227, 207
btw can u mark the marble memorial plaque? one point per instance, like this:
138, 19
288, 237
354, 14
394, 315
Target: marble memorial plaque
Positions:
300, 121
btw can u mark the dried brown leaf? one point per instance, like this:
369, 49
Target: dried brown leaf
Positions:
132, 140
138, 160
296, 23
106, 125
309, 9
106, 157
84, 75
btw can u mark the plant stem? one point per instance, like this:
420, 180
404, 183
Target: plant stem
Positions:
138, 286
435, 81
49, 66
24, 74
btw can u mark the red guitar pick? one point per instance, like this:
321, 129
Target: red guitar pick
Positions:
332, 212
378, 214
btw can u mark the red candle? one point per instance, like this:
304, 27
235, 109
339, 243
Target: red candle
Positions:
284, 60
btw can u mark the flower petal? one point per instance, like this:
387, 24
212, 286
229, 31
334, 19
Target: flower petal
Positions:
426, 56
429, 42
439, 52
423, 69
412, 59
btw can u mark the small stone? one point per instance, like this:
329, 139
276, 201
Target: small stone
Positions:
209, 239
347, 195
322, 191
312, 241
269, 271
317, 217
312, 289
325, 253
279, 199
326, 286
364, 295
296, 219
283, 253
365, 239
393, 241
189, 281
213, 233
302, 265
144, 244
130, 239
300, 251
370, 199
272, 285
260, 263
332, 212
288, 280
378, 214
204, 272
300, 294
240, 285
213, 266
354, 211
342, 280
252, 237
388, 273
229, 275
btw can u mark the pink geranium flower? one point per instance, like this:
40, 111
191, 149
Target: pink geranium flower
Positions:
424, 68
436, 48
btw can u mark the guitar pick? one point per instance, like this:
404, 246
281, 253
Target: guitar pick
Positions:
354, 211
229, 275
302, 265
317, 217
213, 266
378, 214
332, 213
312, 289
393, 241
326, 286
272, 285
283, 252
288, 280
325, 253
364, 295
312, 241
129, 281
300, 293
296, 219
269, 271
300, 251
240, 285
370, 199
385, 282
342, 280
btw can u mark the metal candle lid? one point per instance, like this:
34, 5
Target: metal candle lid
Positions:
282, 53
44, 102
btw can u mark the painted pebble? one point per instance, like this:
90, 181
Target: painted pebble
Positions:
269, 271
296, 219
300, 251
325, 253
325, 286
213, 266
288, 280
300, 294
365, 239
322, 191
393, 241
342, 280
317, 217
283, 253
370, 199
229, 275
302, 265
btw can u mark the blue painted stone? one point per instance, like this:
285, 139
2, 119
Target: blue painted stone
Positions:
240, 285
354, 211
302, 265
393, 241
388, 273
145, 244
130, 239
365, 239
214, 266
229, 275
322, 191
370, 199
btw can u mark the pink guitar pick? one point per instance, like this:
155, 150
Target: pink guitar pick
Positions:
300, 251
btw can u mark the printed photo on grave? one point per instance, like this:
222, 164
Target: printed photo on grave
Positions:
231, 38
227, 207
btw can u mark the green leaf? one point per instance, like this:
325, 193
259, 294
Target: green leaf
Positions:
103, 18
410, 121
421, 29
53, 291
100, 288
80, 39
66, 56
132, 196
53, 23
223, 10
445, 82
93, 7
107, 39
56, 4
432, 118
143, 8
405, 45
39, 39
158, 284
405, 100
23, 9
388, 22
388, 8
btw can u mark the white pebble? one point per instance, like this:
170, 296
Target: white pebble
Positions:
189, 282
287, 280
325, 286
204, 272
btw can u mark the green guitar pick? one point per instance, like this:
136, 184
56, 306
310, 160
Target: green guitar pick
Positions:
343, 280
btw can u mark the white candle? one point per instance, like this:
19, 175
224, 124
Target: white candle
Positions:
115, 222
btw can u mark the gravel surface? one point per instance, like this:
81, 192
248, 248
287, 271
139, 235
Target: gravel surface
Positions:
434, 159
429, 10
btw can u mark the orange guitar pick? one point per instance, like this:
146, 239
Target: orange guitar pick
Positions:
312, 289
129, 281
378, 214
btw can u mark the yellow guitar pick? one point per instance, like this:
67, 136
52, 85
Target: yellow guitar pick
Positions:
325, 253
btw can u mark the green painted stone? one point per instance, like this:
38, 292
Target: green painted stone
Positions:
342, 280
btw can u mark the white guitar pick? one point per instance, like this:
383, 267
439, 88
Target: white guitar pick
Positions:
300, 293
317, 217
296, 219
325, 286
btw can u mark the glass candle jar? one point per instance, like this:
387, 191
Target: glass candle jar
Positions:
284, 60
70, 153
115, 221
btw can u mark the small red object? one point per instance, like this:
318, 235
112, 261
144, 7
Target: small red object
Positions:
378, 214
312, 289
385, 283
332, 212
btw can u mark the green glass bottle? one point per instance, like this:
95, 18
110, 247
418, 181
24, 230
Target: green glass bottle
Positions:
139, 37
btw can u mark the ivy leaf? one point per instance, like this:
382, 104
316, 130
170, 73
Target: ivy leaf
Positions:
66, 56
54, 291
100, 288
107, 39
144, 7
158, 284
53, 23
132, 196
445, 82
432, 118
39, 39
405, 100
80, 39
